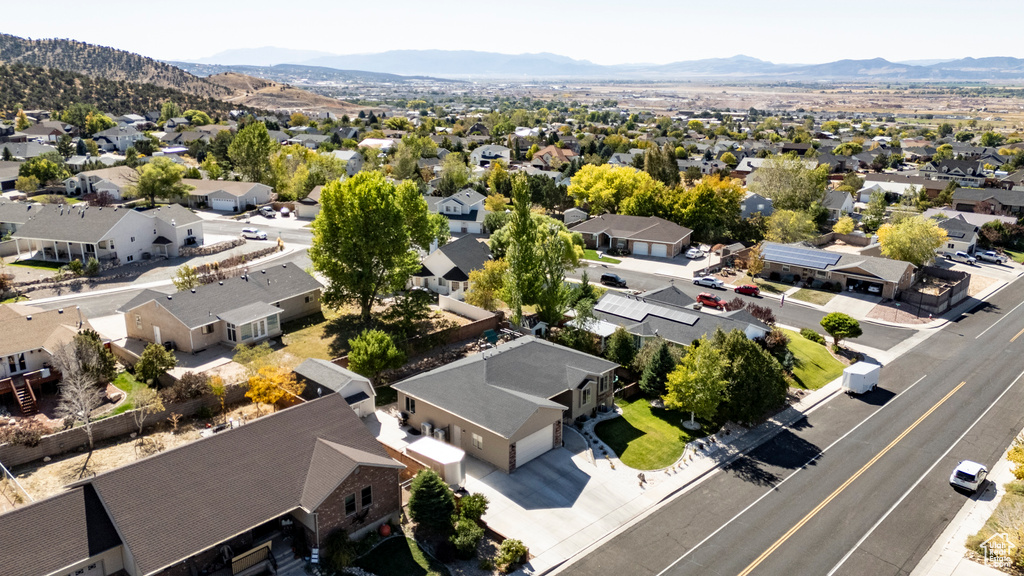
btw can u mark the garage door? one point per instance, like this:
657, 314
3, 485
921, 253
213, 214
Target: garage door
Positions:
640, 248
534, 445
227, 205
659, 250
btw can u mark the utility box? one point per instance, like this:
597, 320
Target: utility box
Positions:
447, 460
860, 378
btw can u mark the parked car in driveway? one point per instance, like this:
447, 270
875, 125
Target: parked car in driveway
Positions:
959, 256
694, 253
748, 289
710, 282
253, 234
992, 256
705, 299
268, 212
613, 280
968, 475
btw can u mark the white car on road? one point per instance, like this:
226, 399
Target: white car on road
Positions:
710, 282
254, 234
968, 475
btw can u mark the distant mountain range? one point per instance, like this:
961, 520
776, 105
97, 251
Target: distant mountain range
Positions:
474, 64
293, 72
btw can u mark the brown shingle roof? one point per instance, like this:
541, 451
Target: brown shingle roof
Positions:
645, 229
47, 329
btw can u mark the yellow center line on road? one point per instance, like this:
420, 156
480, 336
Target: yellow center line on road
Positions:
764, 555
1017, 336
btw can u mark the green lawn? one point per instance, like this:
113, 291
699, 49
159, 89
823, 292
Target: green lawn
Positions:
129, 384
1017, 256
589, 254
771, 287
38, 264
648, 438
307, 337
400, 557
815, 366
819, 297
14, 299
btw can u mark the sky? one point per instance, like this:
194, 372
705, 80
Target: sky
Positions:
601, 31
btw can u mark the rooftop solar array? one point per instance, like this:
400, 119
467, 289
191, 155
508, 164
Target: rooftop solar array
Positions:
806, 257
637, 310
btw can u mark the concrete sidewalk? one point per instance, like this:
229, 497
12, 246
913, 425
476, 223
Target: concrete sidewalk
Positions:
698, 461
946, 556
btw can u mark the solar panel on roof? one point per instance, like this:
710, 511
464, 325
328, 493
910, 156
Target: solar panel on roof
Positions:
806, 257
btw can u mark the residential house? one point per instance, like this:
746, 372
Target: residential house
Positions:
31, 337
322, 378
488, 153
112, 181
641, 236
625, 158
311, 141
961, 235
118, 138
446, 270
464, 210
14, 214
309, 206
854, 272
552, 157
506, 405
8, 175
313, 467
989, 200
352, 158
667, 312
27, 150
242, 310
174, 123
63, 233
963, 172
382, 144
227, 195
839, 203
478, 129
574, 215
974, 218
754, 203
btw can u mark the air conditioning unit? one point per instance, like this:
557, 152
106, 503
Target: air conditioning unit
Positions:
426, 428
439, 434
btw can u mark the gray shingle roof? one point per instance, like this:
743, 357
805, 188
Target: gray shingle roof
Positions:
1004, 197
958, 227
326, 374
834, 199
208, 302
467, 254
501, 388
235, 480
645, 229
70, 223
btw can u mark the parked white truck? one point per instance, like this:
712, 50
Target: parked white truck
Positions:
992, 256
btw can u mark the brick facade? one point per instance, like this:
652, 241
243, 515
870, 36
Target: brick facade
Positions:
387, 500
558, 435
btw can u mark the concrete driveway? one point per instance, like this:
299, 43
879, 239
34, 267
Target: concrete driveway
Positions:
558, 503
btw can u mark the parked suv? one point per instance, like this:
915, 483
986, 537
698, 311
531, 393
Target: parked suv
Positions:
253, 234
705, 299
268, 212
968, 476
613, 280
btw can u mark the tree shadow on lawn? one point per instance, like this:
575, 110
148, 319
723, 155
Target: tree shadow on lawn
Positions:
341, 329
764, 465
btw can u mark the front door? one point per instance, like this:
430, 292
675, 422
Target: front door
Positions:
456, 435
259, 328
156, 335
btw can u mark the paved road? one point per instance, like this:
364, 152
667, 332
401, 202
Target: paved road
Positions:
859, 486
791, 314
302, 236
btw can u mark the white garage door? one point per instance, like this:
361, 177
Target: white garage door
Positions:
222, 204
659, 250
534, 445
640, 248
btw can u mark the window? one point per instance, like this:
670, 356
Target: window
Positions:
133, 238
585, 395
307, 299
760, 206
208, 329
111, 244
785, 267
188, 232
138, 321
410, 405
246, 331
350, 504
271, 323
478, 441
366, 498
604, 382
154, 231
130, 258
950, 245
441, 282
231, 333
820, 273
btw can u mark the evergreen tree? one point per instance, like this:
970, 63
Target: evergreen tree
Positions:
621, 347
431, 502
652, 382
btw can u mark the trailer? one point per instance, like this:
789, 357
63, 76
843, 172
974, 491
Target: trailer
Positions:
860, 378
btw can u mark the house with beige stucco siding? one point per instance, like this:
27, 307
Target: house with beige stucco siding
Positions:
507, 405
243, 310
638, 235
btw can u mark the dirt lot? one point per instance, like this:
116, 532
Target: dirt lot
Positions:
41, 479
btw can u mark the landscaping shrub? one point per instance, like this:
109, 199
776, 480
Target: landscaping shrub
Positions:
466, 537
762, 313
204, 413
27, 434
92, 267
511, 553
473, 506
189, 386
812, 336
76, 267
431, 502
339, 551
774, 276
